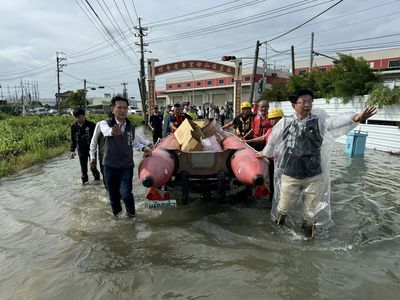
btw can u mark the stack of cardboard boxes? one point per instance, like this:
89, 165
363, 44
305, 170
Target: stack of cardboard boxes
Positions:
199, 135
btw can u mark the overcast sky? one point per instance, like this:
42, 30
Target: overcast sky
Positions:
33, 31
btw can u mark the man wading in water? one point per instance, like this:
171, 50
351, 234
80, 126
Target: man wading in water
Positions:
300, 147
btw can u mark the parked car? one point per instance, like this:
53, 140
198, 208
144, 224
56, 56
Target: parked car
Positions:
135, 111
52, 111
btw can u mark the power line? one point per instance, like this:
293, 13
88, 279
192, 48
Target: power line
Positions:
123, 53
134, 7
119, 30
302, 24
129, 15
284, 11
213, 13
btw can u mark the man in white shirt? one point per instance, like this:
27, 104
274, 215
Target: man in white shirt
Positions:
119, 142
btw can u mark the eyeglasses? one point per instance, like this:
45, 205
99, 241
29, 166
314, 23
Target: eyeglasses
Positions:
303, 102
121, 107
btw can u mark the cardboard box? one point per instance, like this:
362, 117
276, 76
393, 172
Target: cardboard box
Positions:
213, 129
189, 136
201, 122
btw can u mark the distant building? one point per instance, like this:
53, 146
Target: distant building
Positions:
63, 96
385, 62
213, 88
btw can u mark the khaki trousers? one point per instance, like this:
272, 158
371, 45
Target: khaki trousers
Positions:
309, 189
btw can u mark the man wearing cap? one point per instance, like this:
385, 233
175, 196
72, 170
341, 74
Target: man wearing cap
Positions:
155, 124
242, 122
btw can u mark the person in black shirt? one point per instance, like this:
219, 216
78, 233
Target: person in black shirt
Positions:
81, 134
243, 122
177, 118
155, 123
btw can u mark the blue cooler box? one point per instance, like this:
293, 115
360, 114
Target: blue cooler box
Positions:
355, 144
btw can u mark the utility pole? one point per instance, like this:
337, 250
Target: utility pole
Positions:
59, 69
84, 95
253, 76
142, 80
125, 90
22, 99
9, 93
293, 64
1, 89
312, 51
36, 88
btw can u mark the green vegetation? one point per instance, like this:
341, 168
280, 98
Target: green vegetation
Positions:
348, 78
74, 100
382, 95
26, 141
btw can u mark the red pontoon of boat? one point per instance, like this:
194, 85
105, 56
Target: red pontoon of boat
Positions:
247, 168
157, 169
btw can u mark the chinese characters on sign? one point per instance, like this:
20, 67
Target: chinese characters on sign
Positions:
195, 64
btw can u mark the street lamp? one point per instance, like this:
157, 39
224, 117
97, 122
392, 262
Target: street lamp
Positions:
192, 86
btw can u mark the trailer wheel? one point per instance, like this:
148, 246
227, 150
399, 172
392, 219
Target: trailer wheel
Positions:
221, 188
243, 196
184, 180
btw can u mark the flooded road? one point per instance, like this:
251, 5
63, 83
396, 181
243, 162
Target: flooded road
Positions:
60, 241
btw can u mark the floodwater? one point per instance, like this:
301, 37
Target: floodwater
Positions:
58, 240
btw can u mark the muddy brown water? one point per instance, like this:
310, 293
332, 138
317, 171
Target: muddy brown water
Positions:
58, 240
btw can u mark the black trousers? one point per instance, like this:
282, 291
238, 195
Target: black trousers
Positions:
83, 160
156, 135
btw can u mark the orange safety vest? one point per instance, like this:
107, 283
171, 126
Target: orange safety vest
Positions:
260, 125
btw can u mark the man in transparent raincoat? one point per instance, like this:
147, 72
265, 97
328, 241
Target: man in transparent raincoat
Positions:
300, 145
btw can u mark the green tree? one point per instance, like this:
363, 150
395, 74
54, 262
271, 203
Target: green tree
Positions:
75, 99
278, 92
319, 82
351, 77
382, 95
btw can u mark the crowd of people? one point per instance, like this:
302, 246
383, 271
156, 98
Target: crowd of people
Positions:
294, 144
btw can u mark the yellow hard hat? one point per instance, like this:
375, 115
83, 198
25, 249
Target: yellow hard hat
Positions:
275, 113
245, 105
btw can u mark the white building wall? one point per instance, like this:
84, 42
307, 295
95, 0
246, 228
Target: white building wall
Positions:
380, 137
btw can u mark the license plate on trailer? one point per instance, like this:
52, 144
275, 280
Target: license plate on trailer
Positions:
162, 203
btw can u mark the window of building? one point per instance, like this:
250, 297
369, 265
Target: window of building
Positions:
247, 78
394, 63
198, 83
170, 86
220, 81
302, 72
179, 85
188, 85
209, 82
322, 69
232, 79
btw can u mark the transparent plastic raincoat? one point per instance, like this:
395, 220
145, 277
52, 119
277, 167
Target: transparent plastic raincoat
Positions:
301, 151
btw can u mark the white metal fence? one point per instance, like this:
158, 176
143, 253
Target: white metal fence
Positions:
380, 137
